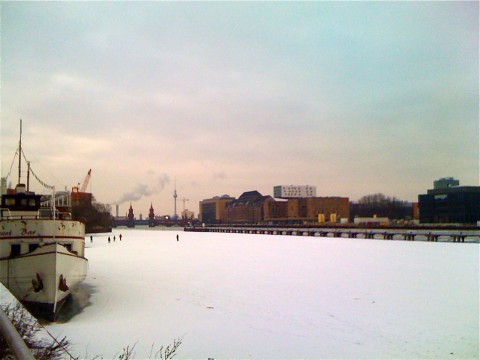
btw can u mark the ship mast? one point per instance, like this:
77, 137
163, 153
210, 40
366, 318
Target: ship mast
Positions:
28, 177
20, 154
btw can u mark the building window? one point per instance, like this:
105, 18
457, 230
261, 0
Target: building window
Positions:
15, 250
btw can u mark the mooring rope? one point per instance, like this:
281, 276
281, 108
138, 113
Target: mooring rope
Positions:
11, 165
36, 177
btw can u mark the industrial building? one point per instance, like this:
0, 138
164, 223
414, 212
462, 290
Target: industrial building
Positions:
448, 202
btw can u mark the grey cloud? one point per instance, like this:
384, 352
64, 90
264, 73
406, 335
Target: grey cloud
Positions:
219, 176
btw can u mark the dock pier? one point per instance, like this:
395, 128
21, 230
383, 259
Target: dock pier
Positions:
406, 234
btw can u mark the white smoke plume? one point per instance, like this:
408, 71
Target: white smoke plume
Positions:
142, 190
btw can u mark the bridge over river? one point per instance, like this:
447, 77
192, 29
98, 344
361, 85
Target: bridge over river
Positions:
408, 234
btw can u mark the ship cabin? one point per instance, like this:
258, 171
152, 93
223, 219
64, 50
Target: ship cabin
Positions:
20, 203
28, 222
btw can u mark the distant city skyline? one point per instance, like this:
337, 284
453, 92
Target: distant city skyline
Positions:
354, 98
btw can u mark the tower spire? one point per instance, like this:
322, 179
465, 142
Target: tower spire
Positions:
175, 216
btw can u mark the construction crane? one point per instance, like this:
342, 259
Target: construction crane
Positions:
85, 183
184, 203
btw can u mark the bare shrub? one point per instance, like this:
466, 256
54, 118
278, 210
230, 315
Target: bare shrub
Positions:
164, 353
28, 328
168, 352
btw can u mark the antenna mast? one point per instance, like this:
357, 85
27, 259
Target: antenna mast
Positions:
20, 154
175, 199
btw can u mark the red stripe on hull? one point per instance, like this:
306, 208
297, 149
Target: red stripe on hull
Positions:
41, 237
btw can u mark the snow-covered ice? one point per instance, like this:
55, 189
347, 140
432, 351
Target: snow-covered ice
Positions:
277, 297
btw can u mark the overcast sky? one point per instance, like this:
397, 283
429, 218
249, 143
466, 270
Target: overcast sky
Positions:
355, 98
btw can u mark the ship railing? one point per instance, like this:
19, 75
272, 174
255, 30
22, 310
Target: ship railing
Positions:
2, 210
58, 215
61, 199
6, 214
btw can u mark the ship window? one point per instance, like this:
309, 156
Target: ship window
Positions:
9, 201
69, 247
32, 247
23, 202
31, 202
15, 250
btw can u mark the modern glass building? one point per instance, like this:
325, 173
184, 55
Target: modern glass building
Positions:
450, 204
445, 183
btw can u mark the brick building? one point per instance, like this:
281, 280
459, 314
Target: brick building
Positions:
297, 209
328, 209
303, 205
214, 210
318, 209
248, 208
254, 208
275, 211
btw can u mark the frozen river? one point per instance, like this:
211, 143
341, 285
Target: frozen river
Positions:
261, 296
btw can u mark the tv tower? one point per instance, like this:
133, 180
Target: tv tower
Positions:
175, 216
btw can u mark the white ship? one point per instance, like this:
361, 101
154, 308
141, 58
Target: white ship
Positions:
42, 250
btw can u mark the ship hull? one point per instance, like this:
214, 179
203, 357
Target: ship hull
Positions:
44, 278
42, 261
45, 311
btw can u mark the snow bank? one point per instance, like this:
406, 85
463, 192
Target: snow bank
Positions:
7, 300
262, 296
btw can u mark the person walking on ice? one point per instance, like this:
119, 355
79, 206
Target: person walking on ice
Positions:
177, 237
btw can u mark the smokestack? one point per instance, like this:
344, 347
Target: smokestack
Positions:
116, 210
142, 190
